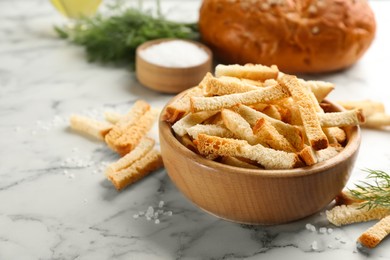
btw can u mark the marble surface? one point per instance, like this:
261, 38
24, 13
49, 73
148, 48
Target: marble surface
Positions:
55, 202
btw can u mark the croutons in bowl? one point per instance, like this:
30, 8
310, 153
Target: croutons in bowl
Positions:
248, 182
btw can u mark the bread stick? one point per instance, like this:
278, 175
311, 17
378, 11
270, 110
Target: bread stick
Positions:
369, 107
139, 108
335, 135
214, 130
292, 116
268, 135
112, 117
266, 94
308, 155
375, 234
136, 171
320, 89
292, 133
125, 139
239, 126
272, 111
340, 119
377, 120
224, 85
181, 106
348, 214
345, 198
248, 71
327, 153
191, 119
268, 158
89, 126
145, 145
311, 124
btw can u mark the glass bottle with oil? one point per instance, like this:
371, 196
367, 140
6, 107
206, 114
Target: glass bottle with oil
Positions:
76, 8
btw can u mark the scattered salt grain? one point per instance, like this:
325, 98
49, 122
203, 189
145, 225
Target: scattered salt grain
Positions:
168, 213
153, 214
149, 212
311, 227
161, 204
330, 230
175, 54
314, 245
322, 230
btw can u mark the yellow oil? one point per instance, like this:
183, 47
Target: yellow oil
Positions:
76, 8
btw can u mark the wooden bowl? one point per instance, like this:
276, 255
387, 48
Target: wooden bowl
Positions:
170, 79
255, 196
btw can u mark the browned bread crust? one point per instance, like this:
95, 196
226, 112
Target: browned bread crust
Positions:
139, 169
307, 110
298, 36
374, 235
130, 129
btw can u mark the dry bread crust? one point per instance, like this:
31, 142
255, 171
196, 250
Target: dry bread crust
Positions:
374, 235
215, 130
267, 94
297, 36
136, 171
307, 110
90, 126
348, 214
142, 148
181, 106
269, 158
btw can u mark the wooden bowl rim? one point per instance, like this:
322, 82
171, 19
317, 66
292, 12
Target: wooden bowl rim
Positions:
352, 146
178, 69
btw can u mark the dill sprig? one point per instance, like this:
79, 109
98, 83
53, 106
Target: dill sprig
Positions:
374, 193
114, 39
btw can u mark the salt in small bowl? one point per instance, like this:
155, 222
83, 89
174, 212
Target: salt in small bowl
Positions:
171, 78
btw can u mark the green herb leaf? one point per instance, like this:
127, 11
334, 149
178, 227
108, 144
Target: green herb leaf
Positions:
114, 39
61, 33
375, 193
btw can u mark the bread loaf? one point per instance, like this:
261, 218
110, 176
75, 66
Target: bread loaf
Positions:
299, 36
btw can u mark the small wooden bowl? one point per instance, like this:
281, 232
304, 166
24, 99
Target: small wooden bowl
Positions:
170, 79
254, 196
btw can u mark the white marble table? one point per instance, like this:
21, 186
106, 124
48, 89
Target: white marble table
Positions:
55, 202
